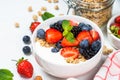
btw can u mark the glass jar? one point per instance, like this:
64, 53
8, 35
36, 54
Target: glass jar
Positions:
99, 11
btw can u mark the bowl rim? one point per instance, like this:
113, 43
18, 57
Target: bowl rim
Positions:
64, 17
108, 27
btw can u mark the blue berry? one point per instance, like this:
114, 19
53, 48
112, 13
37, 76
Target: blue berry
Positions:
41, 33
58, 45
84, 44
84, 26
26, 50
55, 50
96, 45
57, 25
26, 39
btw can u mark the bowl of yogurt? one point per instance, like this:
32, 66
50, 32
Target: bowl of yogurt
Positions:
67, 46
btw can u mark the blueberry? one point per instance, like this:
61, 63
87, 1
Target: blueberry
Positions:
55, 50
84, 26
84, 44
96, 45
41, 33
26, 50
26, 39
81, 24
58, 45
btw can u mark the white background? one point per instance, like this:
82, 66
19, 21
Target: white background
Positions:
11, 43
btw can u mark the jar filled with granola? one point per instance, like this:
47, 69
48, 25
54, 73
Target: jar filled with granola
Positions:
99, 11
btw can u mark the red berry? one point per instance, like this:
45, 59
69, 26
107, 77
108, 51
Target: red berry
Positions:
33, 26
66, 43
117, 19
84, 35
119, 32
115, 24
53, 35
94, 34
25, 68
73, 23
69, 52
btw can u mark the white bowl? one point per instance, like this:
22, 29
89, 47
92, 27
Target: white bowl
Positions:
66, 70
114, 41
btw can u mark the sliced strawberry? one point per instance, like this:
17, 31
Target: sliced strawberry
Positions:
73, 23
69, 52
33, 26
84, 35
117, 19
66, 43
94, 34
119, 32
53, 35
115, 24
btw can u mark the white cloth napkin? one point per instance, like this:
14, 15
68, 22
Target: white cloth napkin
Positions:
110, 70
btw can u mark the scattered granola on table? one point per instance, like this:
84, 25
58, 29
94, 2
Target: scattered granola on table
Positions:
30, 9
106, 50
35, 17
17, 25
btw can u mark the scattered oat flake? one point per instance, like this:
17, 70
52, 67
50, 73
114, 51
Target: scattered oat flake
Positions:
55, 1
30, 9
106, 50
61, 14
49, 1
40, 13
17, 24
56, 7
38, 78
35, 17
43, 8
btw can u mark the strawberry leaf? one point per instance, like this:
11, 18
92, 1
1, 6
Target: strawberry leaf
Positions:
6, 74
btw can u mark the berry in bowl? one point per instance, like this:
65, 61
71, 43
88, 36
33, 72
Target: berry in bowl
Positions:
67, 46
113, 31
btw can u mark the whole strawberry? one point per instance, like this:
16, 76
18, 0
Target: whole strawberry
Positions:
24, 68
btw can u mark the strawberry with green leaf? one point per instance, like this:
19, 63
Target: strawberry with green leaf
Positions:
24, 68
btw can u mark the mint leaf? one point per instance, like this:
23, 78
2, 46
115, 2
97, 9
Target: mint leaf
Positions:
6, 74
47, 15
70, 37
65, 32
66, 25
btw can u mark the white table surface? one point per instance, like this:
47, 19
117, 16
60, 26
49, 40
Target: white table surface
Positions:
11, 43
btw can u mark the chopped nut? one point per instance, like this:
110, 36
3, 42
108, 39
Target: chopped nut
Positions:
17, 24
56, 7
35, 17
30, 9
39, 13
38, 78
49, 1
55, 1
107, 51
43, 9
